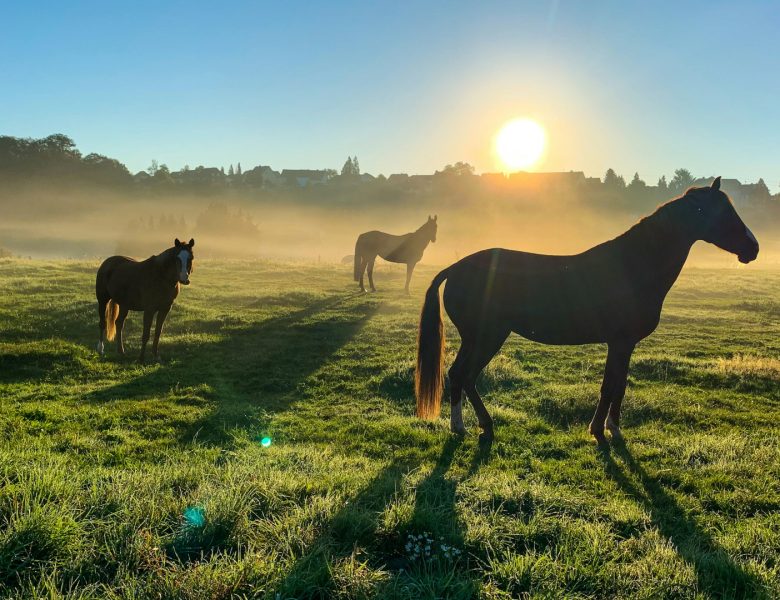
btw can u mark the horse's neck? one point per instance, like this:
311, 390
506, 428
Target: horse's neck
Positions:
659, 252
420, 239
159, 264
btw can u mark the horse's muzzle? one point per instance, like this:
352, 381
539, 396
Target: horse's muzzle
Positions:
185, 282
751, 252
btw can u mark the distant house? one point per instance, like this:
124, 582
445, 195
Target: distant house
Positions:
262, 176
397, 178
743, 194
305, 177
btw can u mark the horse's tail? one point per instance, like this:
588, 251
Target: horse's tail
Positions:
358, 260
429, 375
112, 311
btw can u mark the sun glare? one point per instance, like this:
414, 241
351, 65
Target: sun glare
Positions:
520, 144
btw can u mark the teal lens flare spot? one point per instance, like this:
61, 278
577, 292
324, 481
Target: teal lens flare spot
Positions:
194, 516
265, 442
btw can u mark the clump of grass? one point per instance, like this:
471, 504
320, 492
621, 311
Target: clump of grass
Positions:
746, 365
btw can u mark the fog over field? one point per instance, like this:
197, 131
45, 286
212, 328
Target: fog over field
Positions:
56, 203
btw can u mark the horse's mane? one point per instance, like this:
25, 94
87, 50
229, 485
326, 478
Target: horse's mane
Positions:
663, 214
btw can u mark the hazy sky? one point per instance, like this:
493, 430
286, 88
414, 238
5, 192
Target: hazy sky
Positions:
406, 86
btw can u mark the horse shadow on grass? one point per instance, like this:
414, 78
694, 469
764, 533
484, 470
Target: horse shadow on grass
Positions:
355, 531
717, 575
251, 372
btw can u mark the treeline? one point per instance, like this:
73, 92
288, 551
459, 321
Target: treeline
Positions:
56, 160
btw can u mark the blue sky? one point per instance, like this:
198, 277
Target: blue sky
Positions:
406, 86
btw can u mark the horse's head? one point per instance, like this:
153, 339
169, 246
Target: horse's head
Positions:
184, 257
430, 227
714, 220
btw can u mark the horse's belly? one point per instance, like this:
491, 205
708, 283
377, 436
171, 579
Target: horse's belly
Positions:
584, 325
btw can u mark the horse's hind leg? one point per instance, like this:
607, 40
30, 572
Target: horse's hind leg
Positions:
120, 326
613, 388
102, 304
363, 264
456, 389
371, 262
484, 350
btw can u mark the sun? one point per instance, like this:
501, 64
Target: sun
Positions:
520, 144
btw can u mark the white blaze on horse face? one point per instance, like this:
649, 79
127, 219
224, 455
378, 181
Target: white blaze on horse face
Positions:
184, 257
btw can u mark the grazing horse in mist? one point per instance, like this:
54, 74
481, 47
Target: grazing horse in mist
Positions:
612, 293
406, 248
124, 284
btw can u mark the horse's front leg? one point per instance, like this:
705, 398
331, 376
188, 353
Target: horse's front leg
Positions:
148, 318
161, 315
612, 390
409, 270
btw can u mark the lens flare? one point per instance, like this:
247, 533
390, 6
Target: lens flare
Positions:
194, 516
265, 442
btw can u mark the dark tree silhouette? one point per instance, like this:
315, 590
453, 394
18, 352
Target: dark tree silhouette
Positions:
681, 181
614, 181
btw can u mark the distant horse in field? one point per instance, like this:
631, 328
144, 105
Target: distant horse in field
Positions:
612, 293
124, 284
406, 248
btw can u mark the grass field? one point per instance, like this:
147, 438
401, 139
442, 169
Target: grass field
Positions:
127, 481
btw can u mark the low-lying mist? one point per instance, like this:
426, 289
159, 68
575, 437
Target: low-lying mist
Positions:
47, 222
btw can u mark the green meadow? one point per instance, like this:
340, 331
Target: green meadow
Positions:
120, 480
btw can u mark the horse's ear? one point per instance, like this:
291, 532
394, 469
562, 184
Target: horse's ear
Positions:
716, 183
429, 217
177, 242
435, 217
192, 242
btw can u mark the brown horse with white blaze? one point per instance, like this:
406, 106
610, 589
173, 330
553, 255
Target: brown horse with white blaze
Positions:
612, 293
124, 284
407, 248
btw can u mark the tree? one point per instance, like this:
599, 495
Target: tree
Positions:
662, 185
231, 172
351, 167
681, 181
458, 169
613, 180
636, 183
238, 169
153, 167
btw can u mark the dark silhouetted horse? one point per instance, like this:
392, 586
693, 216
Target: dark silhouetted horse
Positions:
612, 293
406, 248
124, 284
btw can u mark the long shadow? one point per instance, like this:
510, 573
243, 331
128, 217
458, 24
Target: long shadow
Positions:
251, 372
357, 524
353, 526
717, 574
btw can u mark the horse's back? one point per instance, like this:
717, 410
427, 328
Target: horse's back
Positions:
554, 299
109, 269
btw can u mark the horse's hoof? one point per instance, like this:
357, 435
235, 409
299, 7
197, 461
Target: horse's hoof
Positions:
486, 437
601, 439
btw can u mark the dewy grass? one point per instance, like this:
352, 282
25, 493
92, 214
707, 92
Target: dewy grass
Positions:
158, 481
